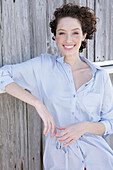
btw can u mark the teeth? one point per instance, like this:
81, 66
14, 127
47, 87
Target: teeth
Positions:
69, 46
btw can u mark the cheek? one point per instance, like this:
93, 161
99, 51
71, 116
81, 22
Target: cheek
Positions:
59, 40
78, 38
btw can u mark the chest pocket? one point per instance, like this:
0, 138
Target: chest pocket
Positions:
91, 103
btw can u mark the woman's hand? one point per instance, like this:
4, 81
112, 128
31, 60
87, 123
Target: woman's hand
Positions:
70, 133
17, 91
49, 123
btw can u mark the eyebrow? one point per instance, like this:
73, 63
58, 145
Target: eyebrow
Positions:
65, 30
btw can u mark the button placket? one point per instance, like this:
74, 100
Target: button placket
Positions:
73, 104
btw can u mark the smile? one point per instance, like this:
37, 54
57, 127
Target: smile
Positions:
68, 47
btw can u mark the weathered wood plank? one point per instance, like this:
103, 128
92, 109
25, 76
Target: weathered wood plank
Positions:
90, 43
0, 33
104, 35
110, 39
15, 48
38, 39
16, 35
13, 129
51, 45
99, 38
37, 14
34, 139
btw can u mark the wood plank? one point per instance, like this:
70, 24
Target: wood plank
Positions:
16, 48
90, 43
1, 33
38, 29
104, 63
104, 35
108, 36
37, 21
110, 39
13, 129
16, 35
51, 45
99, 38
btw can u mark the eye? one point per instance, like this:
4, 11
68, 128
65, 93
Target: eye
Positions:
75, 33
61, 33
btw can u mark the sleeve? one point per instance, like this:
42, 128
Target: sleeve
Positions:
107, 107
22, 73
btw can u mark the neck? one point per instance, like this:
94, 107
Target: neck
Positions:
74, 61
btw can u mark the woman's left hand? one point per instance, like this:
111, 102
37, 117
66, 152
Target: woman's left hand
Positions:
70, 133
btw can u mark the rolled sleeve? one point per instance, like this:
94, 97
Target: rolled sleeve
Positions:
107, 107
108, 128
5, 77
21, 73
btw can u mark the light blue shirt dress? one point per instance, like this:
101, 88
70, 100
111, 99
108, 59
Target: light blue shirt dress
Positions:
50, 79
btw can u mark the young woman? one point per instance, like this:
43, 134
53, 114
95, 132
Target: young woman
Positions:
73, 97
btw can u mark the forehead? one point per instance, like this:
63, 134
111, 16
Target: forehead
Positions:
68, 23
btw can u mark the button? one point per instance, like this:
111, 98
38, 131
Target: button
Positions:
74, 95
86, 85
72, 113
82, 161
77, 146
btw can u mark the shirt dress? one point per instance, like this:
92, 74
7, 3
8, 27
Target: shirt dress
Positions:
50, 79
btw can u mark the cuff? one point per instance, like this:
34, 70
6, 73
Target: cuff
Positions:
108, 128
4, 83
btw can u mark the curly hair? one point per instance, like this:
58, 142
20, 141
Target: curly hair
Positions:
84, 14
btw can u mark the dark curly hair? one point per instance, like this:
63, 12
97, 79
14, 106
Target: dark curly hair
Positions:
84, 14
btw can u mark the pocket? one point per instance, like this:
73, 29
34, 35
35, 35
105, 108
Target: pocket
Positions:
90, 103
91, 100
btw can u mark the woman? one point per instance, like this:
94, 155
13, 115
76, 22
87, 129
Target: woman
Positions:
72, 96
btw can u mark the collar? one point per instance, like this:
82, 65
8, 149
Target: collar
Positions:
94, 67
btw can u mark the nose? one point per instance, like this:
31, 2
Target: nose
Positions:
68, 38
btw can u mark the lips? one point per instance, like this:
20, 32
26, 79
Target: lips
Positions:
69, 47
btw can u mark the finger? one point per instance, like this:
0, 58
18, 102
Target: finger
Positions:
53, 128
55, 131
60, 134
69, 143
61, 128
65, 140
45, 127
48, 129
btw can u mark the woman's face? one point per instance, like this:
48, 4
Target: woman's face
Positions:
69, 36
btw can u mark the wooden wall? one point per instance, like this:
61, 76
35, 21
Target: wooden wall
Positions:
24, 34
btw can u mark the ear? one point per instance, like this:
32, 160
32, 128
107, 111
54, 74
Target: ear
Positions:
84, 36
54, 37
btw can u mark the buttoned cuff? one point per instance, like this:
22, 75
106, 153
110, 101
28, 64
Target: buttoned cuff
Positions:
108, 128
5, 82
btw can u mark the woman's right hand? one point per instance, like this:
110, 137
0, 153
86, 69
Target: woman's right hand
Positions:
47, 118
17, 91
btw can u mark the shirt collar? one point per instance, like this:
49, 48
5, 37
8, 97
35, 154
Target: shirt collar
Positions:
94, 67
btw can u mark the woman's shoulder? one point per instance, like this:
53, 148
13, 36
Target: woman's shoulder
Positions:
44, 58
102, 72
